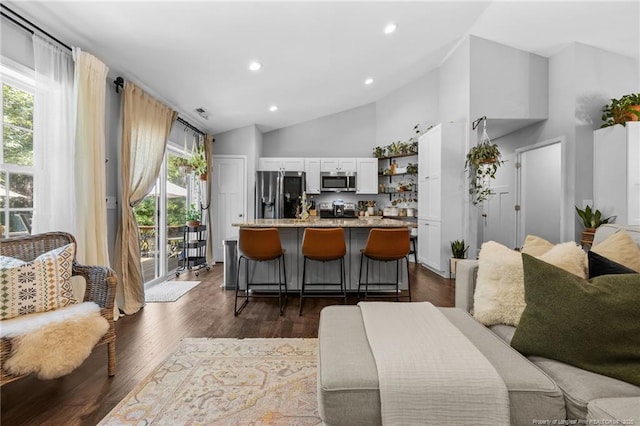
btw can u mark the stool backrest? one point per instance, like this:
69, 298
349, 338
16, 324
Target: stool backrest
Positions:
389, 244
321, 243
260, 243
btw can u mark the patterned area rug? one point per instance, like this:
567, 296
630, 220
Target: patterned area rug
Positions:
168, 291
227, 382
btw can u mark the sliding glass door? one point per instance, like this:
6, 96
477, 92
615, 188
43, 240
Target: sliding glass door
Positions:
160, 215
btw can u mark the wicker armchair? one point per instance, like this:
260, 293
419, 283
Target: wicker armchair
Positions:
101, 288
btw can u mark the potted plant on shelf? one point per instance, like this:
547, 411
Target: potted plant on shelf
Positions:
192, 216
591, 219
379, 151
198, 162
482, 162
458, 251
619, 111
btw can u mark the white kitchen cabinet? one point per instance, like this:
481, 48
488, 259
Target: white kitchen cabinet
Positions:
616, 172
338, 165
367, 176
441, 195
284, 164
312, 169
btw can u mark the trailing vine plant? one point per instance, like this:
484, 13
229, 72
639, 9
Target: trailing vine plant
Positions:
482, 163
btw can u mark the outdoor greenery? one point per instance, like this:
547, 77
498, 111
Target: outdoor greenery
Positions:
176, 206
17, 149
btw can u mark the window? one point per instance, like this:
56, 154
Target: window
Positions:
16, 150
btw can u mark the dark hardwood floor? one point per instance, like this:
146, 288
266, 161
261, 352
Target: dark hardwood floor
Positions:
145, 339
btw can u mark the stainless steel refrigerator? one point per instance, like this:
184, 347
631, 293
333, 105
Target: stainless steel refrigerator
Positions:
278, 194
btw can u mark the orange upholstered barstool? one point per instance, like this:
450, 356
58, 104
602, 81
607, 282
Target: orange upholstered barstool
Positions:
385, 245
260, 245
323, 245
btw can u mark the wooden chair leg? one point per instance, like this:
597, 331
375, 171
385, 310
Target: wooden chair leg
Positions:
408, 278
111, 356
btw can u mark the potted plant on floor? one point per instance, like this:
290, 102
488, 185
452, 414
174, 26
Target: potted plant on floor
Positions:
458, 251
619, 111
591, 219
192, 216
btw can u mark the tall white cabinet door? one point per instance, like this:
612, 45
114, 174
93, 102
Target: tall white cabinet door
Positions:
423, 235
367, 176
434, 245
616, 172
312, 169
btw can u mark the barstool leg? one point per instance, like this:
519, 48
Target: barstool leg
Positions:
304, 272
408, 278
366, 280
343, 280
360, 275
237, 310
397, 280
284, 281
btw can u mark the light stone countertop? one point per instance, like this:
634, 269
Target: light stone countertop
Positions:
316, 222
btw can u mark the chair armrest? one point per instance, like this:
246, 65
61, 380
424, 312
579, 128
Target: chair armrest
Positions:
101, 284
466, 271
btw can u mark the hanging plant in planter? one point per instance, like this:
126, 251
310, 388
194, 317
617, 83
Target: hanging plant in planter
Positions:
482, 162
198, 162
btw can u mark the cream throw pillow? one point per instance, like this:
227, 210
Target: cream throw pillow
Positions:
41, 285
536, 246
499, 294
620, 248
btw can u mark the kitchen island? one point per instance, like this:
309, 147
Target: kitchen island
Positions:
356, 232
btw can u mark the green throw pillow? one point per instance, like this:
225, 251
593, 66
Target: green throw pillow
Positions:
591, 324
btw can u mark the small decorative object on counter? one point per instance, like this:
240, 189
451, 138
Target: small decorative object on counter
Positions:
371, 204
304, 207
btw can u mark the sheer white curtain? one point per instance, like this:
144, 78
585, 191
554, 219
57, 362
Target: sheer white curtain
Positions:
90, 168
53, 138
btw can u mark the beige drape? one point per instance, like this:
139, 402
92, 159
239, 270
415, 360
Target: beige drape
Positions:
146, 124
208, 213
90, 168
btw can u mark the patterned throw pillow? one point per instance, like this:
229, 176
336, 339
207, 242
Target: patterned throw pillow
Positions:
43, 284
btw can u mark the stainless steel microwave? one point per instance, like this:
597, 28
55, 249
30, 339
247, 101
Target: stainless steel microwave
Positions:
338, 181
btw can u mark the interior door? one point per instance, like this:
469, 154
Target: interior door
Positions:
499, 215
229, 199
540, 185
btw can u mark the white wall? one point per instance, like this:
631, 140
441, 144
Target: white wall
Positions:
398, 112
350, 133
16, 43
245, 141
506, 83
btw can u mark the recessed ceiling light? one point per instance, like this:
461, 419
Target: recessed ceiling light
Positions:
390, 27
273, 108
368, 81
255, 66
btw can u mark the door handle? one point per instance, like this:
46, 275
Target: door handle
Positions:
240, 215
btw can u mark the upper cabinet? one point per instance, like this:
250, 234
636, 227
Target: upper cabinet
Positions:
367, 176
338, 164
285, 164
312, 169
616, 172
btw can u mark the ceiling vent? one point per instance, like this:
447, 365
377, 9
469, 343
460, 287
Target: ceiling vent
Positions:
202, 113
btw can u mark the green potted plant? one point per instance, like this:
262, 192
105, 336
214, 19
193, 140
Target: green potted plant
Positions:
183, 165
458, 251
198, 162
482, 162
192, 216
412, 168
619, 111
591, 219
378, 151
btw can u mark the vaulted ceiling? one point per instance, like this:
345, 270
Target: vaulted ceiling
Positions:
315, 56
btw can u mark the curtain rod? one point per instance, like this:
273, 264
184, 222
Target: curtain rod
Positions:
29, 30
119, 82
186, 123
